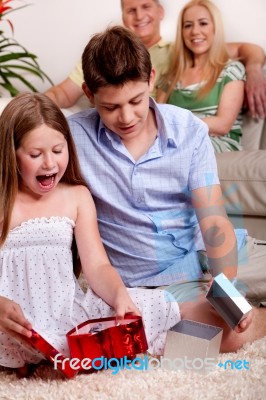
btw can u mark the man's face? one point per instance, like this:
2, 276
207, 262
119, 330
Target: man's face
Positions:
123, 109
143, 17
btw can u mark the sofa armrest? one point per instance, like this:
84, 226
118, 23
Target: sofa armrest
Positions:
263, 137
252, 133
243, 181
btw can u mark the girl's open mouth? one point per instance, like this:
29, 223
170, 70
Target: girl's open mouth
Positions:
46, 181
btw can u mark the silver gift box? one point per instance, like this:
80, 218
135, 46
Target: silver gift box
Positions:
192, 345
228, 301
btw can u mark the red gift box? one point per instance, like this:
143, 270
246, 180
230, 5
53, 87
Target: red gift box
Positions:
94, 339
98, 338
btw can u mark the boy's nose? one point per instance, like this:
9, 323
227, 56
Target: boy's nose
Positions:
126, 116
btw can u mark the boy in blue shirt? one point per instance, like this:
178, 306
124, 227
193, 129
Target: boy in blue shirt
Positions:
152, 172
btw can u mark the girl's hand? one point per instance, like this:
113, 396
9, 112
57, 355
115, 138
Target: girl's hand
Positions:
124, 305
12, 320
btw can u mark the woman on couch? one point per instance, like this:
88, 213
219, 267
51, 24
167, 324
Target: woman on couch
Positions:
202, 78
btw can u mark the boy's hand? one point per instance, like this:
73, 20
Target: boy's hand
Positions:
12, 320
245, 323
210, 282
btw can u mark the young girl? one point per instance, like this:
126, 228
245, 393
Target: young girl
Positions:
44, 200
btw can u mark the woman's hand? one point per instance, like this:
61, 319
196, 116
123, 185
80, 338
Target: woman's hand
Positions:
12, 320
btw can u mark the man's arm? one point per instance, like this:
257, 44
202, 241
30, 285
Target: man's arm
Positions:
65, 94
253, 57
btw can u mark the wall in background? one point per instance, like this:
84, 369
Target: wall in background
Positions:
58, 30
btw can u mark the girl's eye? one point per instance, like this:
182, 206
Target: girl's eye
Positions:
57, 151
136, 102
34, 155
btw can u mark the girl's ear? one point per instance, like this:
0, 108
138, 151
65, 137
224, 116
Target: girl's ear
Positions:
88, 93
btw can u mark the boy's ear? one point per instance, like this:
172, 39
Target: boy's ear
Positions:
87, 92
152, 79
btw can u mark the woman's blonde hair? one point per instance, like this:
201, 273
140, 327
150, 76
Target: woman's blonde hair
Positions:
182, 57
24, 113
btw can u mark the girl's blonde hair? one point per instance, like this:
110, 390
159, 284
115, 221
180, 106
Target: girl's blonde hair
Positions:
24, 113
182, 57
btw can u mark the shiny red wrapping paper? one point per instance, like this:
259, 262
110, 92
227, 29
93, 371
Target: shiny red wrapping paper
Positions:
104, 338
94, 339
39, 343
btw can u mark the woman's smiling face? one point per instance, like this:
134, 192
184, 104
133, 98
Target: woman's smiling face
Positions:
198, 29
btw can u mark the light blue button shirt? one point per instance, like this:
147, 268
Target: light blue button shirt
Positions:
147, 224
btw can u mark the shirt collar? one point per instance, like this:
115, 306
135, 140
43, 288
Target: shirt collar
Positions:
101, 130
165, 134
161, 43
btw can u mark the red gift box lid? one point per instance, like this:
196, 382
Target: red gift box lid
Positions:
63, 363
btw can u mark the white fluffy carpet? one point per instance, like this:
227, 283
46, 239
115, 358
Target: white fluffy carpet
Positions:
219, 384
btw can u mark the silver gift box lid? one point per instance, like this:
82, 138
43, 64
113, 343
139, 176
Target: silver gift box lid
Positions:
228, 301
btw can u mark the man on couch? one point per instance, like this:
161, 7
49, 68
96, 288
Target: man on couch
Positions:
143, 17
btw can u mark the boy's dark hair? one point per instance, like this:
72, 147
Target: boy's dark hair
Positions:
115, 57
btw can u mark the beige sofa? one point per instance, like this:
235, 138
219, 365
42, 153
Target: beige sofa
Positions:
243, 179
242, 176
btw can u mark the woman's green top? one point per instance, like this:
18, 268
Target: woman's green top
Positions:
208, 105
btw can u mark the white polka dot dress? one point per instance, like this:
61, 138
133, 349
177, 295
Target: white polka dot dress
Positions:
36, 272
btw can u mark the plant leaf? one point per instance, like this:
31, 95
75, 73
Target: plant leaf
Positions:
12, 51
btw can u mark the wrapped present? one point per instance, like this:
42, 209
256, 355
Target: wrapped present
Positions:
192, 345
228, 301
95, 339
98, 338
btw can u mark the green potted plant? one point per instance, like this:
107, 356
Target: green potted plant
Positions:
15, 61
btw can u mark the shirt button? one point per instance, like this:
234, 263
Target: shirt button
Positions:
140, 199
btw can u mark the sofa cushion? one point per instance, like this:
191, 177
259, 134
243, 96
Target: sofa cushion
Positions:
252, 133
243, 181
263, 137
